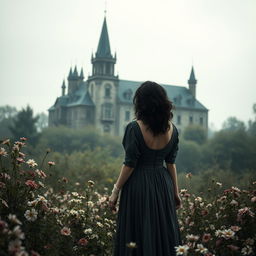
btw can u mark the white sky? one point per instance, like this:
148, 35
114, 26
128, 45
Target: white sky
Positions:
155, 40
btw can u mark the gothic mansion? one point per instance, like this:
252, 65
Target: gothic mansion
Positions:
105, 101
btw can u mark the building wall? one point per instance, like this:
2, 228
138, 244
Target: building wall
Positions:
98, 95
184, 117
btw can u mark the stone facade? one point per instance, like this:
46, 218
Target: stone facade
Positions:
105, 101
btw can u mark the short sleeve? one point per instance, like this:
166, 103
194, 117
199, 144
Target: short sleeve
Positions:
131, 146
171, 156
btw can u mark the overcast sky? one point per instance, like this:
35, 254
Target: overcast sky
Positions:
154, 40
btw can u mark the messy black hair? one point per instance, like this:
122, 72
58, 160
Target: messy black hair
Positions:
152, 106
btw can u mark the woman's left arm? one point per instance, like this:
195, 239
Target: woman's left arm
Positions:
125, 173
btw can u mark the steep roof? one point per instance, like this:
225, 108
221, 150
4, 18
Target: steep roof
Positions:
80, 97
103, 50
180, 95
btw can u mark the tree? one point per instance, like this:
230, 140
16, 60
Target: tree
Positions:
7, 112
7, 115
195, 133
24, 125
42, 121
252, 123
233, 124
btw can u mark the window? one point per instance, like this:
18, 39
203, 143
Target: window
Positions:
106, 128
127, 115
178, 119
201, 121
191, 119
107, 111
128, 94
108, 91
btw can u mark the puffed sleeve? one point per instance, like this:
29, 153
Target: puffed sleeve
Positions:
171, 156
131, 146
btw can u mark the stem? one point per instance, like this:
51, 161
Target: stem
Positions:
43, 160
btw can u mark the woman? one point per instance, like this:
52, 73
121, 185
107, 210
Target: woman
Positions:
149, 194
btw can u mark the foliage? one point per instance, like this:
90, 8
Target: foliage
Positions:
195, 133
25, 125
40, 220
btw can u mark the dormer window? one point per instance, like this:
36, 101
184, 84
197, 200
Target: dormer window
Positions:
128, 94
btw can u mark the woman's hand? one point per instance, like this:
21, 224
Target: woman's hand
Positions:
113, 198
112, 201
177, 201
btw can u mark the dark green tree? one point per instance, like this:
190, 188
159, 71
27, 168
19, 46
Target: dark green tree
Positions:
24, 125
233, 124
7, 115
195, 133
252, 123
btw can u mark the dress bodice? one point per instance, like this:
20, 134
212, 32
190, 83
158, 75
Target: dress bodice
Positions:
138, 154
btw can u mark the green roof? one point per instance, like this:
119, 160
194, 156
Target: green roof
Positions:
103, 50
179, 95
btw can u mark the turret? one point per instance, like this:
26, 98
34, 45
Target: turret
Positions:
103, 63
63, 87
73, 79
192, 83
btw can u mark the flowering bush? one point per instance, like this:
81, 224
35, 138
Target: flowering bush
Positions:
224, 225
36, 220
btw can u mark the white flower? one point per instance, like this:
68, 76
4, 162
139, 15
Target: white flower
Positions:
90, 204
31, 163
15, 246
201, 249
246, 250
31, 215
192, 237
228, 233
234, 202
181, 249
219, 184
99, 224
3, 152
88, 231
199, 199
18, 232
13, 218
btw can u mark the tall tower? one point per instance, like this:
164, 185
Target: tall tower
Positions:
103, 84
103, 63
192, 82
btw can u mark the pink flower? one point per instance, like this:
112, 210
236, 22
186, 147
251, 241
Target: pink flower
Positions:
23, 139
51, 163
65, 231
206, 237
20, 160
83, 241
31, 184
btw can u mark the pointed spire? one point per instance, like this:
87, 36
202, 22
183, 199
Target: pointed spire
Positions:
103, 50
75, 73
63, 88
192, 78
81, 74
63, 84
70, 76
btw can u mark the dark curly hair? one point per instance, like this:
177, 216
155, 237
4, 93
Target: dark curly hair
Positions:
152, 106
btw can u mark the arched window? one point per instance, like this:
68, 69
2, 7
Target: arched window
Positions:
107, 90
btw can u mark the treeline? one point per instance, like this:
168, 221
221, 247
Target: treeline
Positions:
84, 154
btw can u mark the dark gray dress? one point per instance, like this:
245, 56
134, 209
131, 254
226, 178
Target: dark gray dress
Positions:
146, 213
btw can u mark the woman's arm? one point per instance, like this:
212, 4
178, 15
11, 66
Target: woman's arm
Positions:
172, 169
125, 173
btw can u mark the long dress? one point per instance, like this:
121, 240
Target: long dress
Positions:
146, 212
